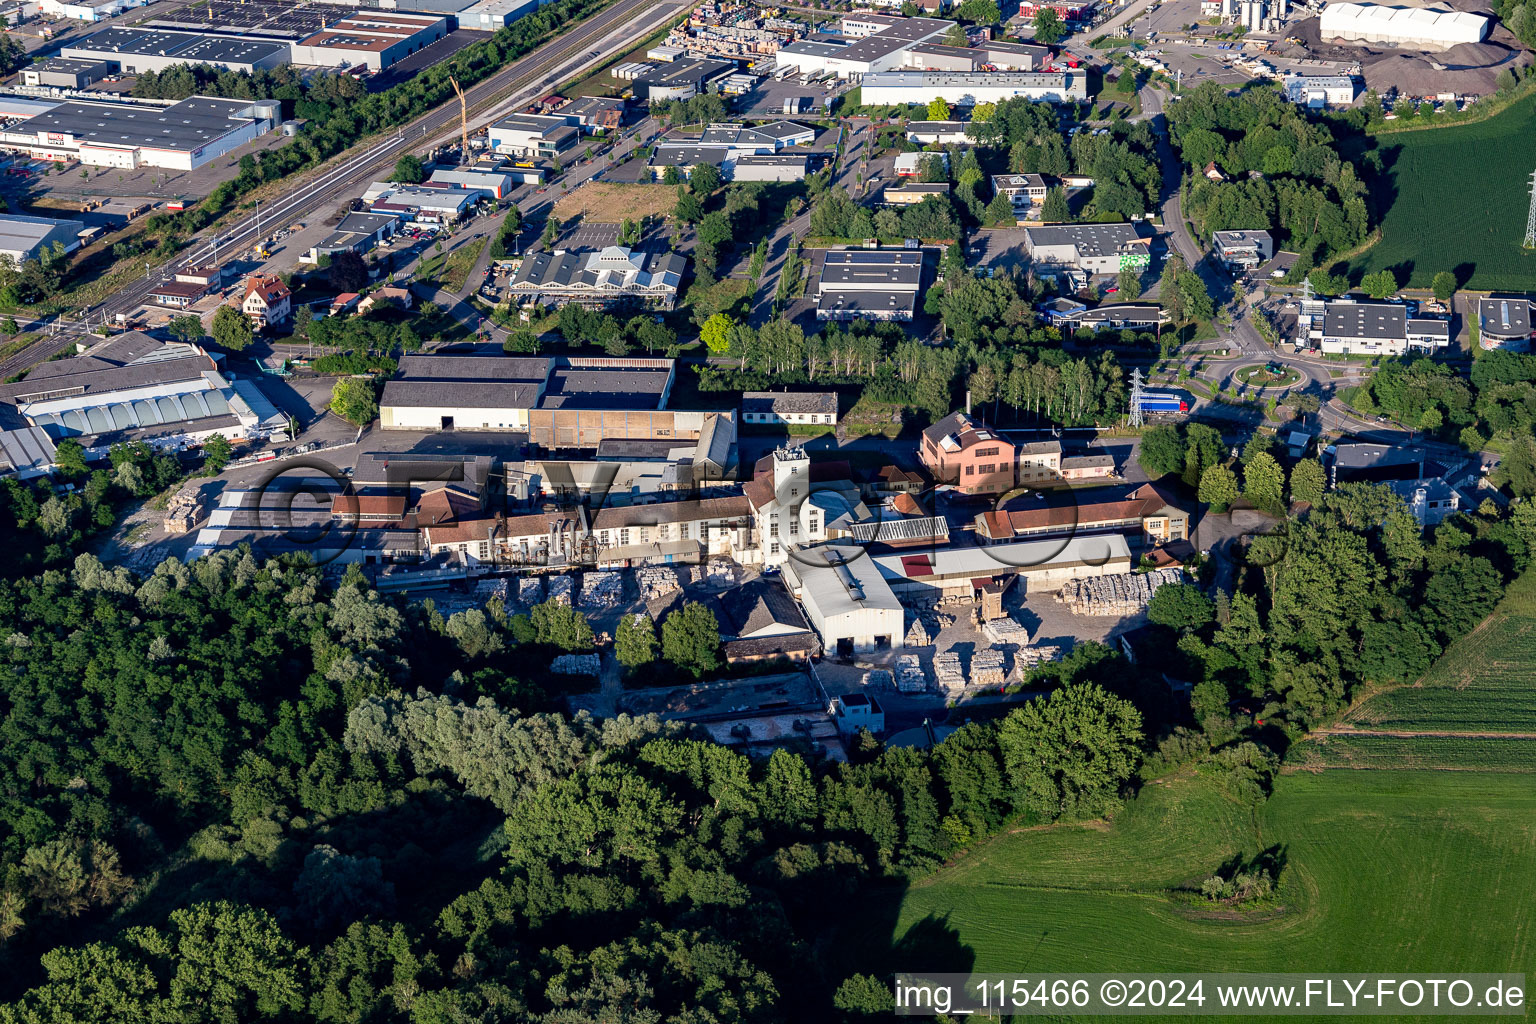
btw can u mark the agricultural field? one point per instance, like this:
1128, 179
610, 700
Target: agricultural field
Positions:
1468, 189
1421, 857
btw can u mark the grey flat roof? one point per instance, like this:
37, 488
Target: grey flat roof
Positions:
1504, 316
985, 79
902, 276
1378, 320
789, 401
773, 160
1429, 325
838, 300
1239, 237
21, 231
69, 65
472, 369
684, 71
187, 125
190, 47
577, 387
431, 394
1090, 239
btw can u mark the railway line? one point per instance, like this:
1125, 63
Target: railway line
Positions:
591, 41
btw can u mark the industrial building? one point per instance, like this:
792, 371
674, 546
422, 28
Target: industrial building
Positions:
546, 135
1504, 321
680, 79
1434, 26
942, 57
490, 15
964, 454
135, 388
966, 89
489, 184
1147, 512
183, 136
375, 39
1243, 250
563, 402
136, 50
1319, 91
912, 193
596, 113
869, 284
22, 237
357, 232
1042, 564
610, 277
1088, 248
866, 43
1006, 56
425, 205
847, 599
90, 10
67, 73
1350, 327
727, 146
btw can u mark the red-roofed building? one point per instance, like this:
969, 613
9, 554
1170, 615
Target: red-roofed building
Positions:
1147, 511
267, 301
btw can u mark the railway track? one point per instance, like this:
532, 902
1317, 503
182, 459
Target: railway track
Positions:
593, 40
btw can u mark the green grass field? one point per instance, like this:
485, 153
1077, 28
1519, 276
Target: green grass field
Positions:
1422, 858
1462, 194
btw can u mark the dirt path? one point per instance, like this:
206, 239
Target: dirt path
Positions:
1344, 730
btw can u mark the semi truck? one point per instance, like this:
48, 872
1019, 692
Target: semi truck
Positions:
1162, 401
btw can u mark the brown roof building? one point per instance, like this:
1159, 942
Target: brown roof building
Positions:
1148, 511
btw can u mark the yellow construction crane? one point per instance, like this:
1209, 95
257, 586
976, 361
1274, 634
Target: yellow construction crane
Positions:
463, 122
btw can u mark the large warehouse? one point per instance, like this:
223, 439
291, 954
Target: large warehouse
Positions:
375, 39
135, 388
1433, 26
867, 43
23, 237
966, 89
183, 136
135, 50
561, 402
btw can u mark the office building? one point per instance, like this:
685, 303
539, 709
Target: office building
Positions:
545, 135
869, 284
1243, 250
1504, 321
1089, 248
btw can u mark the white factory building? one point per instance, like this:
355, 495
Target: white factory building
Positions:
183, 136
966, 89
1434, 26
86, 11
1318, 91
864, 43
846, 599
136, 50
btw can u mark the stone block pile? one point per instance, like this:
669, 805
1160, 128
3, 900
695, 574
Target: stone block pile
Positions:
910, 677
562, 589
656, 581
601, 590
530, 590
1121, 595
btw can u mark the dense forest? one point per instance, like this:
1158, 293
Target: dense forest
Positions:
236, 793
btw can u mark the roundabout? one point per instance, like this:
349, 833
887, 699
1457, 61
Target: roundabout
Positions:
1262, 376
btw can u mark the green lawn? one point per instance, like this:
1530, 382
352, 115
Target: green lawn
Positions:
1430, 865
1461, 198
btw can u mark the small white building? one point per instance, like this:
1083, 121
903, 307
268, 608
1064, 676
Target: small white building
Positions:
968, 88
783, 407
855, 711
1319, 91
846, 599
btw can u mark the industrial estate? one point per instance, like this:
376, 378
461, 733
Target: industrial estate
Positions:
654, 510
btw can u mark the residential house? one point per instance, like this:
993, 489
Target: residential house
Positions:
267, 302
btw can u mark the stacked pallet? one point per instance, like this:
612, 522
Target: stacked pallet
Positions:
909, 674
1006, 630
496, 588
987, 667
1122, 594
656, 581
948, 672
601, 589
530, 590
877, 677
561, 588
722, 572
1026, 658
576, 665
